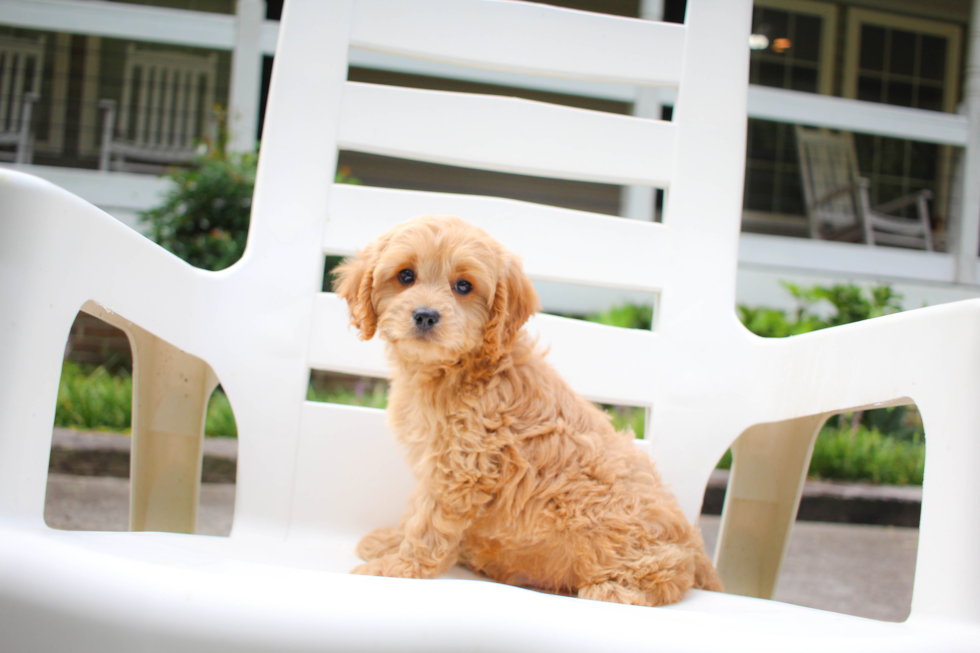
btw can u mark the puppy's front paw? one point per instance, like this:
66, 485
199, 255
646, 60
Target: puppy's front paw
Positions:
379, 542
392, 565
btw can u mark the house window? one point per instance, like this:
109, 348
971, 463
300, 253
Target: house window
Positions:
792, 43
911, 63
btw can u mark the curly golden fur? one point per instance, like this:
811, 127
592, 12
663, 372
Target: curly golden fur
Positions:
518, 477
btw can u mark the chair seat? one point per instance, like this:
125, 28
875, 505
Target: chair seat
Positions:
143, 589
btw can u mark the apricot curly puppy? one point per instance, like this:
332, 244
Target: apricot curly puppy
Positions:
519, 477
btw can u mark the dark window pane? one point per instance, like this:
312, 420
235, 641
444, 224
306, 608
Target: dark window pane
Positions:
930, 97
872, 48
885, 192
932, 62
754, 65
869, 89
803, 79
806, 40
922, 160
892, 156
760, 189
899, 94
790, 199
865, 146
786, 143
772, 74
902, 60
774, 24
762, 138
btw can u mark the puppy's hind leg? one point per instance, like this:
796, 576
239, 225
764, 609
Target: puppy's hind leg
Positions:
658, 577
380, 542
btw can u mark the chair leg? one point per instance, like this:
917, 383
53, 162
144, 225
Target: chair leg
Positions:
770, 462
170, 401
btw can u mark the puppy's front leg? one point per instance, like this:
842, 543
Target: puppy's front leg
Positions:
430, 547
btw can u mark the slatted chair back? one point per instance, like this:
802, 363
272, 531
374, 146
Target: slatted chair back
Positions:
166, 108
21, 67
831, 183
697, 157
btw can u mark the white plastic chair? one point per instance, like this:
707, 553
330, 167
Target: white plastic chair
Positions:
313, 478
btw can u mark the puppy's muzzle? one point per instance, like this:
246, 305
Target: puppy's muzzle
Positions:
425, 318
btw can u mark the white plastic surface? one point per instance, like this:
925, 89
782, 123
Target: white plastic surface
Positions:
313, 478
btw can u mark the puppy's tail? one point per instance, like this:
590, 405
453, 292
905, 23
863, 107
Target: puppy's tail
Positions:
705, 575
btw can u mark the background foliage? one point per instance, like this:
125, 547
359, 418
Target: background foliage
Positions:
204, 219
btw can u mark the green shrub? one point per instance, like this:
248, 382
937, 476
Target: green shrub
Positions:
627, 416
376, 397
628, 316
862, 454
220, 420
850, 303
204, 218
92, 398
867, 455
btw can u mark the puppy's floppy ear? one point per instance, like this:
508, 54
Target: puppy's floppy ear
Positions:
354, 281
514, 301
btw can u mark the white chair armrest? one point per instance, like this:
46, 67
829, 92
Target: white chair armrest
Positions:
932, 357
56, 253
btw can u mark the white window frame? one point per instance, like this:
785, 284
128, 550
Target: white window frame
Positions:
856, 18
828, 37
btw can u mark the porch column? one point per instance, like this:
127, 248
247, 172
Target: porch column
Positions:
966, 231
246, 77
638, 202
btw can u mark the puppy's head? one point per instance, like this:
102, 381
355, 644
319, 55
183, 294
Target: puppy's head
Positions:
437, 289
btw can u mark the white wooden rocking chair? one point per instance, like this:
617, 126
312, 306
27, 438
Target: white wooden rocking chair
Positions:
838, 203
313, 478
21, 67
166, 110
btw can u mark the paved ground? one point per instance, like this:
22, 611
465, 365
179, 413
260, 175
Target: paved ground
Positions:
859, 570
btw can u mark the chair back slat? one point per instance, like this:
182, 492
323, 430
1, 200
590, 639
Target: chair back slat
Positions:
555, 244
334, 346
506, 134
524, 38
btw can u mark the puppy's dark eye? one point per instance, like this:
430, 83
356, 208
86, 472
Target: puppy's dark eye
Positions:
463, 287
406, 276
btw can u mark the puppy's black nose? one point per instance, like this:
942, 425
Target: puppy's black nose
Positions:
425, 318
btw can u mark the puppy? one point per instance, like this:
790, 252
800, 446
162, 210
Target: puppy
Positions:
518, 477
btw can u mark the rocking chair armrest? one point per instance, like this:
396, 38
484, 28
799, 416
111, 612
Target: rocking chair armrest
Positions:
837, 192
902, 202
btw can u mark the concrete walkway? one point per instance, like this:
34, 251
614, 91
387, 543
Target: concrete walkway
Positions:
854, 569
